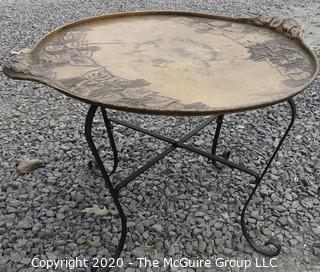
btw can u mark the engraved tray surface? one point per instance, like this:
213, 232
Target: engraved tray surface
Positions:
171, 63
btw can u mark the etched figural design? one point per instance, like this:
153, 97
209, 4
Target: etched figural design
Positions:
284, 56
97, 84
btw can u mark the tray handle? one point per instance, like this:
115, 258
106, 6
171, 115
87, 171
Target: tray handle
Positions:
288, 27
20, 63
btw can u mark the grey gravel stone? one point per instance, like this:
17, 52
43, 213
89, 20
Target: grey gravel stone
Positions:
202, 246
218, 225
26, 223
171, 251
4, 260
115, 241
92, 251
51, 256
316, 231
44, 233
140, 228
316, 249
156, 227
188, 248
15, 257
25, 261
283, 221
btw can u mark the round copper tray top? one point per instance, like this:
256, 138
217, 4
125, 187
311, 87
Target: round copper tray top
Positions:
172, 63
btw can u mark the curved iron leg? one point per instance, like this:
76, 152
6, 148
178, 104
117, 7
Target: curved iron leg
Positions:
225, 154
112, 141
88, 133
272, 248
92, 165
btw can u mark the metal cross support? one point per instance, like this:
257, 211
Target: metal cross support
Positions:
271, 248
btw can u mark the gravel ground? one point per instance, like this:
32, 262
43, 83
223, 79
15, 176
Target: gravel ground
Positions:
182, 206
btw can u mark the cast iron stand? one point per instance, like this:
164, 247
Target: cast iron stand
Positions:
271, 248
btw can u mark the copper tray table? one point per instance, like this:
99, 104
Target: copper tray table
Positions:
172, 63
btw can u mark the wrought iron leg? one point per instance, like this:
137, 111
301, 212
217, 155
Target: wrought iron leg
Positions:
226, 154
92, 165
272, 247
100, 165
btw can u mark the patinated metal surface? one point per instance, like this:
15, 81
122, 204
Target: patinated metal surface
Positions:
172, 63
